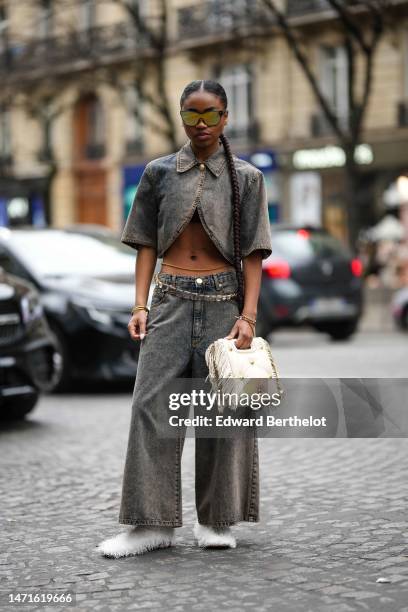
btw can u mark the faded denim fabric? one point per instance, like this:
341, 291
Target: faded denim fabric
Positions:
172, 186
226, 469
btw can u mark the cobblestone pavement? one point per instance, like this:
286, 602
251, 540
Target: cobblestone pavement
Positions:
333, 520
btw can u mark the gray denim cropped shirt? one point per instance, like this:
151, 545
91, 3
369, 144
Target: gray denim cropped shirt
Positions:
172, 186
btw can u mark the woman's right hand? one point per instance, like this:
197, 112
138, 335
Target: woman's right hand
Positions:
137, 325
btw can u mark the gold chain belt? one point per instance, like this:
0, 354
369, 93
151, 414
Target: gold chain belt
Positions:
191, 295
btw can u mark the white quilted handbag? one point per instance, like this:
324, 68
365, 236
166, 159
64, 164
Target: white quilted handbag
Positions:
231, 369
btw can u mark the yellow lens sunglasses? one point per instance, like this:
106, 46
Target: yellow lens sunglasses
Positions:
210, 118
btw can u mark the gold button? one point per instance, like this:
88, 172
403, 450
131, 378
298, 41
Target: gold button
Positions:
202, 167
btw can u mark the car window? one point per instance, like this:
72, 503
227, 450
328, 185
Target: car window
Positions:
305, 245
10, 265
58, 253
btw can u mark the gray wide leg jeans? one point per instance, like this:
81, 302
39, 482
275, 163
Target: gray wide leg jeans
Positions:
179, 330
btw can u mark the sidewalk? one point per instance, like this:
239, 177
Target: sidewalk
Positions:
333, 520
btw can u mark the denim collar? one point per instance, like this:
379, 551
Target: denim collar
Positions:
186, 159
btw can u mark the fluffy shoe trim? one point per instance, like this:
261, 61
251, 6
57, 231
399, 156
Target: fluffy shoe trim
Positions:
210, 537
137, 541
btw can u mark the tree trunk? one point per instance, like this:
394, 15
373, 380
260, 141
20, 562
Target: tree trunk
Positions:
358, 201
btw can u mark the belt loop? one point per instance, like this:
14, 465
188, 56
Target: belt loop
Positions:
218, 282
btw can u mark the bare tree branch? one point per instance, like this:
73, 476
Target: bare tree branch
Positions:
349, 24
361, 35
304, 62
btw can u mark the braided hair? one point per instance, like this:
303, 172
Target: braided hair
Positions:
217, 89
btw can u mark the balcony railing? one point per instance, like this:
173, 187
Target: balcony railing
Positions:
86, 47
303, 7
220, 17
297, 8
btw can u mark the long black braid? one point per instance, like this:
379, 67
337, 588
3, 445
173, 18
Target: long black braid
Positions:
217, 89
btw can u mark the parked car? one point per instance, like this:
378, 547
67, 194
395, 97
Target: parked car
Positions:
312, 279
86, 282
29, 359
399, 308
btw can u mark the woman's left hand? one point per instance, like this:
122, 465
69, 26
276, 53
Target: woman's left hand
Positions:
245, 333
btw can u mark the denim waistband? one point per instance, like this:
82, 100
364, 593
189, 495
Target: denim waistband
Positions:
209, 281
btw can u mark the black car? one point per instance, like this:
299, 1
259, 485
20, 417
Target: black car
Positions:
87, 287
312, 279
29, 359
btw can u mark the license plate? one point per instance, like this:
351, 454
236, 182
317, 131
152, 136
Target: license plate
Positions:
328, 305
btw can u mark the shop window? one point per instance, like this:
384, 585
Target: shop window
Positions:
237, 82
334, 80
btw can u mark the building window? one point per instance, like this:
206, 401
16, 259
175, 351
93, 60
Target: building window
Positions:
133, 121
140, 6
46, 18
334, 80
45, 153
5, 133
3, 27
237, 82
87, 14
405, 64
95, 147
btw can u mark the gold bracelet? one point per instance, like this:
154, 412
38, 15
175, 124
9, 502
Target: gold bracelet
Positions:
136, 308
247, 319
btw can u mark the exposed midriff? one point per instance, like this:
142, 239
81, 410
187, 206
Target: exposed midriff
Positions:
193, 252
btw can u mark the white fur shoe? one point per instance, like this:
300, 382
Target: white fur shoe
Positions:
214, 537
137, 541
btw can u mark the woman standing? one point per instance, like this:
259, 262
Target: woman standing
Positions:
202, 210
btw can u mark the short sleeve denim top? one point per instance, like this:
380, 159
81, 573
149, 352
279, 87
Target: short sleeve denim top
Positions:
172, 186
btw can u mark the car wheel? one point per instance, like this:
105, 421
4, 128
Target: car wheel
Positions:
19, 408
64, 383
339, 330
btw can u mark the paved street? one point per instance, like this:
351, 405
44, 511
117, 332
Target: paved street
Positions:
333, 513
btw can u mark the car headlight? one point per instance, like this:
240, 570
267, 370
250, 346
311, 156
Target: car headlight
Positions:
98, 315
31, 307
